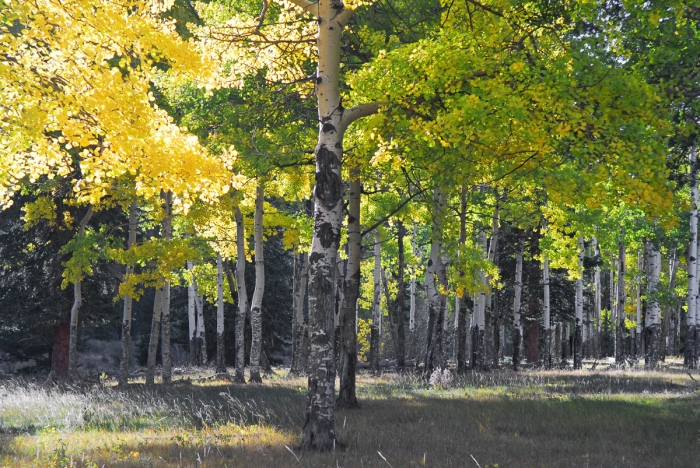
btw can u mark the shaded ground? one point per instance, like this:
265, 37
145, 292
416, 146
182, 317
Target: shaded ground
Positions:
557, 418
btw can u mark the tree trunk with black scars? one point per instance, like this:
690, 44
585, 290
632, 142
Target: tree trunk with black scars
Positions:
547, 351
192, 319
331, 17
374, 340
220, 344
460, 332
128, 302
298, 325
256, 301
532, 326
242, 298
621, 329
155, 337
397, 319
517, 293
578, 330
691, 317
347, 396
442, 281
597, 301
201, 336
491, 355
433, 348
412, 303
653, 312
478, 361
666, 321
638, 329
75, 310
167, 227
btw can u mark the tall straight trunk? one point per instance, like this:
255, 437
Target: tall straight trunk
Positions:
399, 311
578, 331
412, 303
518, 289
547, 357
612, 294
443, 314
167, 226
347, 396
256, 302
597, 301
126, 317
374, 343
653, 312
220, 345
638, 328
298, 326
75, 310
532, 331
192, 319
201, 336
331, 18
460, 334
621, 332
242, 298
666, 323
479, 322
433, 349
691, 317
491, 353
155, 336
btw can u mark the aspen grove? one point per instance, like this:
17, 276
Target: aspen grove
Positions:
245, 192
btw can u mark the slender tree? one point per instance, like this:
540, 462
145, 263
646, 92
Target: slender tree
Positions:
242, 297
128, 302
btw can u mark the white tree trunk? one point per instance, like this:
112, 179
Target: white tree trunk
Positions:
167, 227
598, 304
546, 315
578, 332
412, 305
75, 310
638, 329
331, 18
490, 351
692, 316
653, 314
242, 297
298, 327
621, 329
256, 302
220, 345
155, 336
375, 329
518, 288
126, 317
433, 349
192, 319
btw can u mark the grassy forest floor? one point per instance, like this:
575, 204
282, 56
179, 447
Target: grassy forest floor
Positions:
499, 418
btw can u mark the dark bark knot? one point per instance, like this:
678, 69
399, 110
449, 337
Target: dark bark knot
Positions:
327, 235
328, 128
328, 184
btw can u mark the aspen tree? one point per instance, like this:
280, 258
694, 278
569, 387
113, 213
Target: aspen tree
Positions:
256, 302
621, 327
638, 328
578, 331
547, 355
518, 288
192, 317
691, 316
460, 332
298, 325
128, 302
597, 299
75, 310
167, 227
375, 338
242, 297
653, 312
220, 344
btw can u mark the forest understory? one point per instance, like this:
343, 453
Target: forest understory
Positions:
555, 418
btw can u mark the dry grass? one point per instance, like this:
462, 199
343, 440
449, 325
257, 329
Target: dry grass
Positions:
535, 418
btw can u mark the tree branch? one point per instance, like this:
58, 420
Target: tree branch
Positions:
392, 213
357, 112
